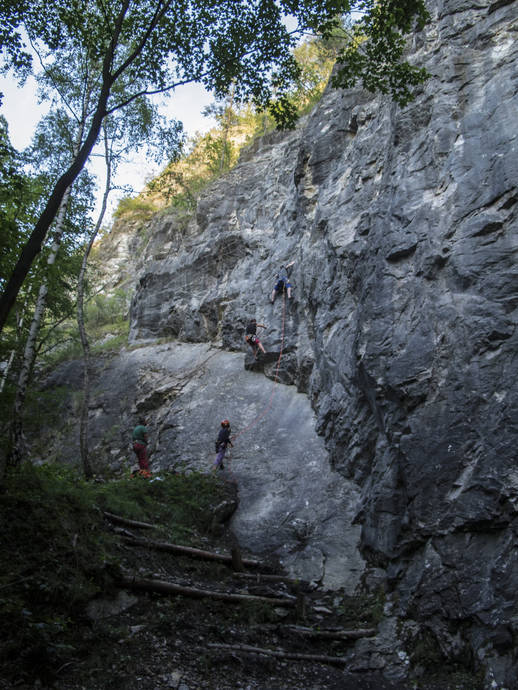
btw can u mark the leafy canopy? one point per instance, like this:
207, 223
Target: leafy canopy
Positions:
153, 46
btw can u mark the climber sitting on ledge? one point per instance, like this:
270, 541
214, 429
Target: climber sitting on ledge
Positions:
251, 336
283, 282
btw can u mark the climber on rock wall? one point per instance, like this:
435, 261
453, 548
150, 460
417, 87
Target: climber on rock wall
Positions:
222, 442
282, 282
251, 336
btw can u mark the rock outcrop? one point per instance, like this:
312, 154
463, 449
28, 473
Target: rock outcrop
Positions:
401, 335
402, 330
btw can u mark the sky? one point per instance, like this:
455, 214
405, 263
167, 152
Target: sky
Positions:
21, 109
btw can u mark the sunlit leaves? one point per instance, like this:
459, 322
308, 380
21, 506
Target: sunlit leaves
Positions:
240, 42
374, 52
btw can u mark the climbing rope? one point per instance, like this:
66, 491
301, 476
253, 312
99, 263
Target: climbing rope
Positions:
228, 457
265, 411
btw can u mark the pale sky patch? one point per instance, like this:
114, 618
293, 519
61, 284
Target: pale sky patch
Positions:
22, 111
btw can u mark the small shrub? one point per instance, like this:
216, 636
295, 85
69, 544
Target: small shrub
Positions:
364, 609
135, 206
104, 310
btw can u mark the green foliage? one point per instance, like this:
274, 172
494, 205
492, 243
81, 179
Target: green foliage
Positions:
427, 652
47, 408
23, 197
438, 671
56, 554
363, 609
230, 43
106, 320
373, 54
53, 561
214, 153
135, 207
179, 502
106, 310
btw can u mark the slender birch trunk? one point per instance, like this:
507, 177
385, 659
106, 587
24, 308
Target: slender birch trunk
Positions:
19, 325
83, 429
17, 440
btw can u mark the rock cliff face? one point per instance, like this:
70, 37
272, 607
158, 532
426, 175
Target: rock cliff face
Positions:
401, 335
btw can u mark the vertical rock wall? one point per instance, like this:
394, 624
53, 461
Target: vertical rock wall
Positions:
402, 330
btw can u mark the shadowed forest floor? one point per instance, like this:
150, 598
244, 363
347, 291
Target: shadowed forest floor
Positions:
67, 623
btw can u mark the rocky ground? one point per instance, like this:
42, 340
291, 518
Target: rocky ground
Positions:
164, 642
137, 640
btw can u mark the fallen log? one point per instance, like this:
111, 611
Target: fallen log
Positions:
269, 578
127, 522
322, 658
188, 551
163, 587
122, 531
335, 634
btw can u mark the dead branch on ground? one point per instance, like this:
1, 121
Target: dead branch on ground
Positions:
162, 587
258, 577
188, 551
127, 522
322, 658
335, 634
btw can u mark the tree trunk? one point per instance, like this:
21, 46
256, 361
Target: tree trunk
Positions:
83, 428
266, 577
17, 441
127, 522
19, 325
280, 654
340, 634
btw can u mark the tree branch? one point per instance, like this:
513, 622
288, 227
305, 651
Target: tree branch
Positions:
127, 522
165, 89
138, 49
332, 634
162, 587
189, 551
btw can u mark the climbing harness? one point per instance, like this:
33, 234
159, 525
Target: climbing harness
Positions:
252, 340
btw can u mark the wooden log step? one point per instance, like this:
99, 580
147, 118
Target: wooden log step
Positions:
189, 551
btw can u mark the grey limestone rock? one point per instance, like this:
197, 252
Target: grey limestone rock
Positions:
401, 335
